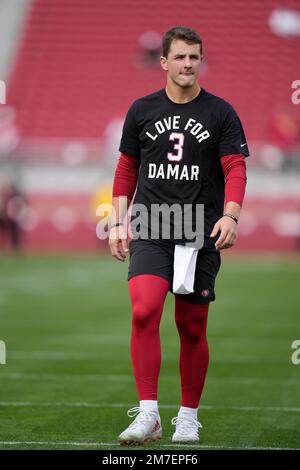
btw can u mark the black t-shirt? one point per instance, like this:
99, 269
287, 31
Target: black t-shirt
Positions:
179, 147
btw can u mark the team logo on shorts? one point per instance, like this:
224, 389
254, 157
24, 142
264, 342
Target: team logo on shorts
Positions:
205, 293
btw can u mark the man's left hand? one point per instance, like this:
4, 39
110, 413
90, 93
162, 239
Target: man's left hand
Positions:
228, 235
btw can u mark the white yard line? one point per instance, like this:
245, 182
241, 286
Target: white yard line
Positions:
128, 405
129, 378
113, 444
79, 356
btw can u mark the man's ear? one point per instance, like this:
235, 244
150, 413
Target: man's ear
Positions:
163, 63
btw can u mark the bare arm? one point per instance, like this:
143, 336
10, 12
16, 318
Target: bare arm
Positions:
227, 227
125, 181
118, 237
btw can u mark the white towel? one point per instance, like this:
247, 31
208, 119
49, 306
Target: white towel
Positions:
185, 258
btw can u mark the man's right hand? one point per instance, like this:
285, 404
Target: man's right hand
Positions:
118, 242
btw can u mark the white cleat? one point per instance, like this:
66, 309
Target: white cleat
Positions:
145, 428
186, 429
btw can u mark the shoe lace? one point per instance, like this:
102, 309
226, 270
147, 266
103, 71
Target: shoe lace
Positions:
186, 424
142, 416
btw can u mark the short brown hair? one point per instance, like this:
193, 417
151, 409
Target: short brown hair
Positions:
189, 35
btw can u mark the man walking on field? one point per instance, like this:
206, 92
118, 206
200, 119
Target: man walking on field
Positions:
182, 150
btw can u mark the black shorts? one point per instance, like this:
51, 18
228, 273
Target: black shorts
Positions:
157, 257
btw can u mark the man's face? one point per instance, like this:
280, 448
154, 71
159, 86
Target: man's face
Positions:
182, 63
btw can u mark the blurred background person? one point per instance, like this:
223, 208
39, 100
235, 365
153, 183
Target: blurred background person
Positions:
12, 208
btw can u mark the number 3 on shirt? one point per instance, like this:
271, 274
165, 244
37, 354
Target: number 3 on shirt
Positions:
179, 147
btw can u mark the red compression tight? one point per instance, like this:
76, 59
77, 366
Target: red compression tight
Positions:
148, 293
191, 321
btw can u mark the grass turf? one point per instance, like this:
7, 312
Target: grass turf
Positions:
68, 379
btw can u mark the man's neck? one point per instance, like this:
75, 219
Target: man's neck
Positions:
182, 95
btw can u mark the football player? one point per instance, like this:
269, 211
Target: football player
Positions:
181, 146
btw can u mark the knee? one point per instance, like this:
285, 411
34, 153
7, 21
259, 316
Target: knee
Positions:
191, 331
144, 317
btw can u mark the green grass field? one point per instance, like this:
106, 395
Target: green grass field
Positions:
68, 380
